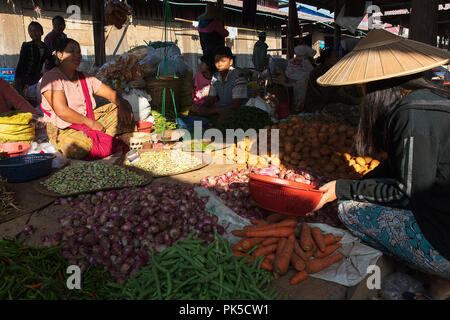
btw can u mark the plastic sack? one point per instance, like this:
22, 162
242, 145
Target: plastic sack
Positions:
58, 162
396, 284
139, 101
175, 66
227, 218
16, 126
298, 68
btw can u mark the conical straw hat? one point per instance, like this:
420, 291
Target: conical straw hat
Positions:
383, 55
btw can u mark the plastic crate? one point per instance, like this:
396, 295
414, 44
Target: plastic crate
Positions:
283, 196
26, 168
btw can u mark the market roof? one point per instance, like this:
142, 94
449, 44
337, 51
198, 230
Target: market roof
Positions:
385, 5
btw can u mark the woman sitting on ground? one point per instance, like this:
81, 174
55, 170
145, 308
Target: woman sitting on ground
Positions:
74, 125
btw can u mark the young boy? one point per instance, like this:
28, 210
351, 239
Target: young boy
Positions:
228, 88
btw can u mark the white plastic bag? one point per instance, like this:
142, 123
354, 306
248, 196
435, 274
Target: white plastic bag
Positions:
58, 162
227, 217
298, 68
259, 103
140, 103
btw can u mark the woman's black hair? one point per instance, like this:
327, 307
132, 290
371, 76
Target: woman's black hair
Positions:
37, 24
325, 54
381, 98
62, 44
58, 18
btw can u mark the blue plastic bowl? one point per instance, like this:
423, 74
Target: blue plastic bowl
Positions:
26, 168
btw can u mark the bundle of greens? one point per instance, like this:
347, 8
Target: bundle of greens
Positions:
41, 273
245, 118
159, 119
191, 270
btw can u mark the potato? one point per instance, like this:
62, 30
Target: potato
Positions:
323, 138
289, 147
357, 167
296, 155
360, 161
305, 151
315, 154
323, 161
302, 164
290, 132
298, 147
374, 164
325, 151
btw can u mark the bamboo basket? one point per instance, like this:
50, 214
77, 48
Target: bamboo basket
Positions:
155, 89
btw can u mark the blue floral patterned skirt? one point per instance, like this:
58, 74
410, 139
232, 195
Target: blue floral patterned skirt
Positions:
395, 232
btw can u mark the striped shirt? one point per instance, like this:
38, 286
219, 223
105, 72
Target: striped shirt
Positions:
234, 87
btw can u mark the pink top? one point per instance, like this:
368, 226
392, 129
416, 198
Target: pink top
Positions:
217, 26
201, 88
9, 94
55, 80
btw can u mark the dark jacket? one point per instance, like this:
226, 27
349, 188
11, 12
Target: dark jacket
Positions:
416, 175
210, 41
30, 62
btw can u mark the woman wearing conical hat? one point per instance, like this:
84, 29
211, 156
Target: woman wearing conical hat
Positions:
403, 206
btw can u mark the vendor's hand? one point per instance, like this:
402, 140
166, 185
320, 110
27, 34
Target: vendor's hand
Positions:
328, 196
125, 112
95, 125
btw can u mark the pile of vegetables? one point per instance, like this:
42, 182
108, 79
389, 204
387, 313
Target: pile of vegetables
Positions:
232, 188
159, 120
245, 118
166, 162
198, 146
322, 147
6, 198
117, 229
40, 273
283, 244
191, 270
89, 176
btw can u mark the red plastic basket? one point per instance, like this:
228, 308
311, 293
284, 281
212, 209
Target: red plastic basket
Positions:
13, 149
283, 196
144, 126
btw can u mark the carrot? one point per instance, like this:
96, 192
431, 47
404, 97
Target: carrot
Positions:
257, 221
310, 253
299, 277
299, 251
238, 246
281, 263
249, 243
285, 223
276, 232
266, 265
328, 250
246, 228
318, 264
270, 241
270, 257
297, 262
318, 238
330, 239
262, 251
275, 217
280, 246
306, 241
238, 233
